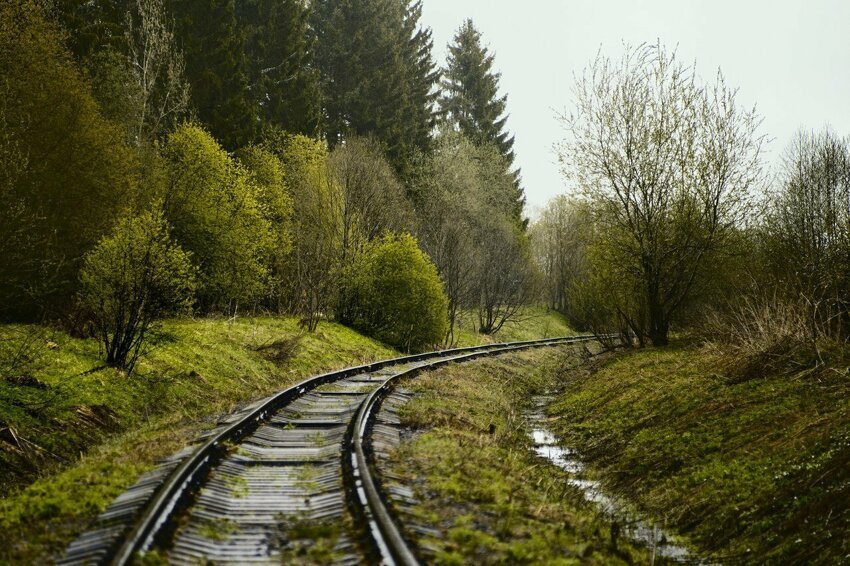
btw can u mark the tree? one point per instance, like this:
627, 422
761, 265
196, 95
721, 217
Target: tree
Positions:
372, 198
446, 184
69, 169
283, 81
161, 93
668, 166
314, 265
133, 277
91, 26
396, 294
377, 74
212, 205
505, 280
478, 247
217, 69
557, 242
808, 229
470, 98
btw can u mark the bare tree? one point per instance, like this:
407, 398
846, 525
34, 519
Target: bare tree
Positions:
445, 229
372, 199
314, 266
556, 239
161, 93
808, 228
506, 280
669, 166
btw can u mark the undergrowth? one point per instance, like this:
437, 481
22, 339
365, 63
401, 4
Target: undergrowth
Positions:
748, 456
491, 499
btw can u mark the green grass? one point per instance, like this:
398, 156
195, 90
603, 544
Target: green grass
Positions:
757, 467
74, 435
493, 500
533, 322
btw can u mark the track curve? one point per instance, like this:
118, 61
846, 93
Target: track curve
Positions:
304, 452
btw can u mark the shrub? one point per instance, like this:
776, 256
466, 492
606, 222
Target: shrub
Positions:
133, 277
65, 170
276, 205
212, 204
392, 292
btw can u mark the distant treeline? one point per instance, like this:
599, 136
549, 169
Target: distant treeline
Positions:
675, 223
166, 156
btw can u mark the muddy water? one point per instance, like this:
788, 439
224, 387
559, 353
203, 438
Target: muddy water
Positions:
635, 528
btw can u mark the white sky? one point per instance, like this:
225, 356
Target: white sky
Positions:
791, 58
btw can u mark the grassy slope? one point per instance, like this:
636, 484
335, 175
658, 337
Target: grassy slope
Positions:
755, 467
537, 322
124, 425
73, 435
491, 497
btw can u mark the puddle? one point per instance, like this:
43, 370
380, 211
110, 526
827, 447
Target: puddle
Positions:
635, 528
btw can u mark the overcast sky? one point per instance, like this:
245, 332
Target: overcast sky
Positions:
789, 58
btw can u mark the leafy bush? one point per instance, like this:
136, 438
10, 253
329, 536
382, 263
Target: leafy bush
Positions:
276, 205
134, 276
212, 203
392, 292
64, 170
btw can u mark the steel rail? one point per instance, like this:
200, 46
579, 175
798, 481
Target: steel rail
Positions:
178, 488
386, 535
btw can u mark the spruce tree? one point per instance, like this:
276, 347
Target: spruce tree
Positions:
283, 80
217, 69
470, 101
377, 74
423, 75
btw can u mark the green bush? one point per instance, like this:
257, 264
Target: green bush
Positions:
276, 205
133, 277
212, 203
392, 292
65, 171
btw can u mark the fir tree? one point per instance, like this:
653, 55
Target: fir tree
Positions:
470, 101
217, 69
377, 74
283, 81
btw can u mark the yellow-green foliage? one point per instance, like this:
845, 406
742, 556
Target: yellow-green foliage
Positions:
753, 468
212, 203
67, 404
392, 291
64, 169
133, 277
310, 279
266, 172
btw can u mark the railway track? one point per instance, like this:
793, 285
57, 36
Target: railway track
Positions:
302, 456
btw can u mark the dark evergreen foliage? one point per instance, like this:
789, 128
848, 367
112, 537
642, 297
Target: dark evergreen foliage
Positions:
470, 100
377, 74
217, 68
283, 82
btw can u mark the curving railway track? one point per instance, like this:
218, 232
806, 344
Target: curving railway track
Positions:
303, 455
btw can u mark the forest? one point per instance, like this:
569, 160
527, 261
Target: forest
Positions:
166, 161
159, 161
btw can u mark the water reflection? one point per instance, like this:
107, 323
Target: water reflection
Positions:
635, 528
